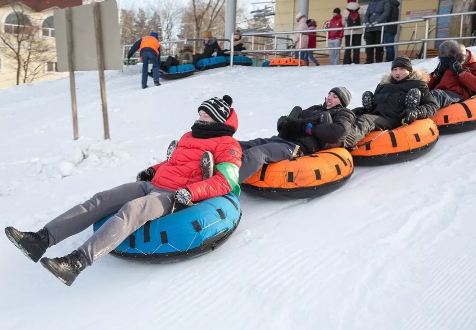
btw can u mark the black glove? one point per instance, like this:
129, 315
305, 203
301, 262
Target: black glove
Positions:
282, 121
294, 128
360, 111
441, 68
324, 118
455, 66
295, 113
410, 116
183, 197
146, 175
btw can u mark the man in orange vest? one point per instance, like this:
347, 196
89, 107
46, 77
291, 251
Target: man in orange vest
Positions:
149, 49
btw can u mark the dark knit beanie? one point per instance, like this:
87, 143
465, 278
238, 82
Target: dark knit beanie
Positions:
337, 11
343, 94
217, 108
402, 62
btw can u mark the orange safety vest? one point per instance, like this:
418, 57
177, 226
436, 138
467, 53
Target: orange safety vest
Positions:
150, 42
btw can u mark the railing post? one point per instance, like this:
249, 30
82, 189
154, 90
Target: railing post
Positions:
232, 50
252, 42
461, 26
381, 34
425, 43
300, 45
275, 44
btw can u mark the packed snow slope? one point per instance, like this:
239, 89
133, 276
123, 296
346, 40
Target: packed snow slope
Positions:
395, 248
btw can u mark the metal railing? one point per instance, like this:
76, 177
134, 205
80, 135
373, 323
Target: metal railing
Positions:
424, 41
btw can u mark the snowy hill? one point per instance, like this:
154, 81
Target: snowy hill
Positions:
393, 249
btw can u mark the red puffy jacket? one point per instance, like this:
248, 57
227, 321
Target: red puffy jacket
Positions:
336, 22
312, 36
458, 85
183, 169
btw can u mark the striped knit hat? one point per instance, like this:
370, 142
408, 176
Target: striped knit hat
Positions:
343, 94
217, 108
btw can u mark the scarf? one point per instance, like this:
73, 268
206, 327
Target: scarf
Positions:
206, 130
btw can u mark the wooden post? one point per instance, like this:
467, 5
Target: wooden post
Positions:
72, 82
100, 54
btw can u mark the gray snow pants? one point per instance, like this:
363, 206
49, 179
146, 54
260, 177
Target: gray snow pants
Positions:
260, 151
366, 123
133, 204
445, 98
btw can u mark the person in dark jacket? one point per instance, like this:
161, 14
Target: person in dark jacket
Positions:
401, 98
149, 49
185, 57
237, 42
210, 46
391, 30
301, 133
377, 12
454, 79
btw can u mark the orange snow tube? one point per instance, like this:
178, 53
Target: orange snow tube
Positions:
303, 177
398, 145
458, 117
286, 62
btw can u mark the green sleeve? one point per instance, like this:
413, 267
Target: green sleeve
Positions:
231, 173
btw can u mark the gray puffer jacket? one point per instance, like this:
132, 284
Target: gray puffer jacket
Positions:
378, 11
393, 16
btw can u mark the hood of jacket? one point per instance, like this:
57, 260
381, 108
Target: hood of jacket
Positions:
415, 75
232, 120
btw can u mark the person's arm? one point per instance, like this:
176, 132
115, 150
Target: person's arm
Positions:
134, 48
386, 13
428, 105
336, 131
227, 158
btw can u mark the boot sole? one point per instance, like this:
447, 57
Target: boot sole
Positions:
12, 239
46, 263
209, 163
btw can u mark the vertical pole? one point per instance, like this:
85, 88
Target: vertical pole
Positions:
381, 34
461, 26
100, 54
275, 44
230, 19
72, 81
232, 51
303, 7
300, 45
425, 43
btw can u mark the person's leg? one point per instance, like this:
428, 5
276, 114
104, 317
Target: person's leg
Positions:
347, 52
337, 52
305, 57
155, 66
310, 55
129, 218
445, 98
370, 40
145, 68
356, 41
334, 54
99, 206
390, 50
378, 50
253, 143
254, 158
167, 64
365, 124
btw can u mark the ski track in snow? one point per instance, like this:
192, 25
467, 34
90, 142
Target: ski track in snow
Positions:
395, 248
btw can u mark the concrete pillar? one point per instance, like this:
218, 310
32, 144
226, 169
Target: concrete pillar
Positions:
230, 21
303, 7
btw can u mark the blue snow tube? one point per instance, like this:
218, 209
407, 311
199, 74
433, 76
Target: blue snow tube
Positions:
179, 71
186, 234
265, 64
211, 63
240, 60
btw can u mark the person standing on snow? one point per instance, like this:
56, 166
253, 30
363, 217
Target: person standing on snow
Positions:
391, 30
149, 49
401, 98
312, 43
301, 133
377, 12
335, 37
353, 16
454, 79
186, 176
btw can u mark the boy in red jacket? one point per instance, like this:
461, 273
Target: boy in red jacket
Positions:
185, 177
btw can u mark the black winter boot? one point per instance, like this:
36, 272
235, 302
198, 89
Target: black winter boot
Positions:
412, 100
156, 83
172, 146
367, 100
33, 245
66, 268
207, 164
295, 113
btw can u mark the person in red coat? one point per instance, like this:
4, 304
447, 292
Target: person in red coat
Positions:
312, 43
454, 79
335, 37
187, 176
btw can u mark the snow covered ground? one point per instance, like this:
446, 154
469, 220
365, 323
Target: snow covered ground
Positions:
393, 249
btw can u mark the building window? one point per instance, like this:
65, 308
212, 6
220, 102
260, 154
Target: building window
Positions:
17, 23
48, 28
51, 67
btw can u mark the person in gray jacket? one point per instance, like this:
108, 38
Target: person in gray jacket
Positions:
377, 12
391, 30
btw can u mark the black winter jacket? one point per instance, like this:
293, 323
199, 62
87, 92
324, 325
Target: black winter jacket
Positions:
324, 136
378, 11
393, 16
389, 96
211, 46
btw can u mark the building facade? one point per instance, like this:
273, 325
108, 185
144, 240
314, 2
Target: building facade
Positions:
24, 23
321, 11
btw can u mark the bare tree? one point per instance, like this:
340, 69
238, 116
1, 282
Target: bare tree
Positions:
128, 32
205, 14
25, 46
